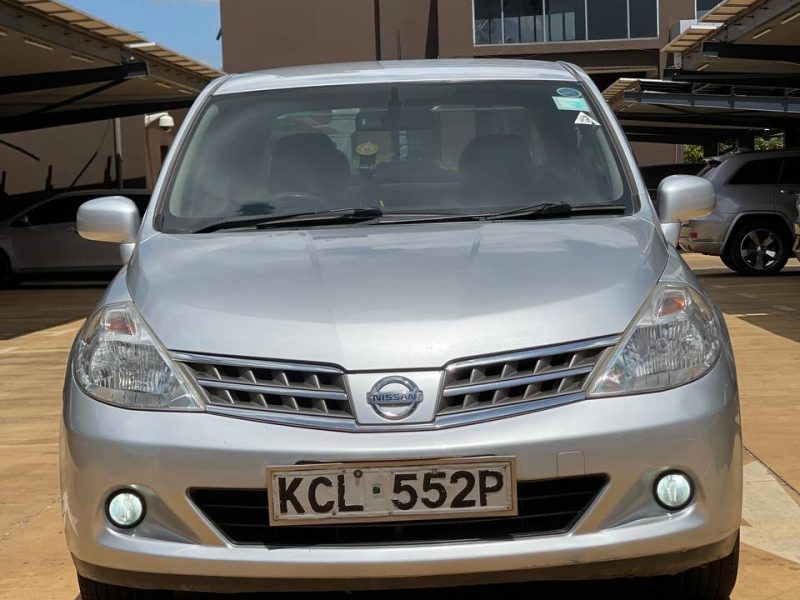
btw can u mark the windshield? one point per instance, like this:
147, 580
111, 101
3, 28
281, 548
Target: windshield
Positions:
408, 148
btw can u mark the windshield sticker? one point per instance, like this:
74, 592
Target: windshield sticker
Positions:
569, 92
576, 104
584, 119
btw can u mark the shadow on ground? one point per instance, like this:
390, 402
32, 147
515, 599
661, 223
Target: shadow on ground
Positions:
37, 306
770, 303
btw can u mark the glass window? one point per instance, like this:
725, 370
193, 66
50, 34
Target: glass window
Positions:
438, 148
566, 20
532, 21
523, 21
703, 6
608, 19
488, 22
758, 172
59, 210
644, 18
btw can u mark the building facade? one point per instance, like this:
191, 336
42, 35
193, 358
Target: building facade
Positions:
608, 38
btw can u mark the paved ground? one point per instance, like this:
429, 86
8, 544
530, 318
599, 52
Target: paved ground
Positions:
37, 325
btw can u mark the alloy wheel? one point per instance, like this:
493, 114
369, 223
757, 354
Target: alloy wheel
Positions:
760, 249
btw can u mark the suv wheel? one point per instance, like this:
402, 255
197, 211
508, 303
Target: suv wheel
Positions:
6, 274
92, 590
728, 262
759, 248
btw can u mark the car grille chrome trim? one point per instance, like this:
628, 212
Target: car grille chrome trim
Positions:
269, 387
541, 375
316, 396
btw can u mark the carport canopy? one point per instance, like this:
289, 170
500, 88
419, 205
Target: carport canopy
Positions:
60, 66
701, 112
732, 75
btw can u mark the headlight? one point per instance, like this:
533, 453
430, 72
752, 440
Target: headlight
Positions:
120, 361
675, 338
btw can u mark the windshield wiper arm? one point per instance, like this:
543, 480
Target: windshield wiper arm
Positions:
326, 217
557, 210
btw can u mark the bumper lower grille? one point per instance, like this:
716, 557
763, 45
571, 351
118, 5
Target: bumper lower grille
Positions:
545, 507
299, 389
540, 375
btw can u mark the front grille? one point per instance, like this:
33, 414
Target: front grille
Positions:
535, 376
300, 389
545, 507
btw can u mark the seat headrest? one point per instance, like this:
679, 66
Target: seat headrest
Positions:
499, 152
308, 162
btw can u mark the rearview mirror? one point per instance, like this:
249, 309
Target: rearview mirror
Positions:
110, 219
680, 198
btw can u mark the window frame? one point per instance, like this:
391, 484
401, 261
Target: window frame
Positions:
49, 204
161, 208
546, 27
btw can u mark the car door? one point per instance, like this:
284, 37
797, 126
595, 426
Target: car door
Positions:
46, 238
753, 187
105, 255
788, 196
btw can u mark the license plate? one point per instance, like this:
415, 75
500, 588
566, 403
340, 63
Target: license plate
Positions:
392, 491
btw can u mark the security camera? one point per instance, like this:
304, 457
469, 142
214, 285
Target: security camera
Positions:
164, 121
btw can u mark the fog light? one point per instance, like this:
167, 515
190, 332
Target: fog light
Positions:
125, 509
674, 490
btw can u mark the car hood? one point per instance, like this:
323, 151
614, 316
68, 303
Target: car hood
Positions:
396, 296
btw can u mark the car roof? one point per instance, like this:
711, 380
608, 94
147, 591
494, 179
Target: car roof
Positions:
755, 154
101, 192
468, 69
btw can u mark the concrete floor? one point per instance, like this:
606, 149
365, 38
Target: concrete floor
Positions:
38, 323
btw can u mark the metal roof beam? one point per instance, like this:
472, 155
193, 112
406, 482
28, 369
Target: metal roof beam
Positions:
784, 104
765, 80
752, 51
17, 84
86, 115
743, 120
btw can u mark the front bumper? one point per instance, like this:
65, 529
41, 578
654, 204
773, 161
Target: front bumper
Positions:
694, 428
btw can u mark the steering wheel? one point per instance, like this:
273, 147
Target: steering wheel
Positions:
300, 198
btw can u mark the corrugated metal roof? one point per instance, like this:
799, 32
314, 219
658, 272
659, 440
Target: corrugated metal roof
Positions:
722, 14
117, 35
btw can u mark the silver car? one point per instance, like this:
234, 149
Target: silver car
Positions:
751, 229
42, 239
401, 325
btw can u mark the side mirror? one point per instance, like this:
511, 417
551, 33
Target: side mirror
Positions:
680, 198
110, 219
23, 221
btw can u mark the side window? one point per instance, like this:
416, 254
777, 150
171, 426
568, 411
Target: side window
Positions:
758, 172
59, 210
791, 171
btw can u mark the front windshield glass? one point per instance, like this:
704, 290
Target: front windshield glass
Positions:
412, 148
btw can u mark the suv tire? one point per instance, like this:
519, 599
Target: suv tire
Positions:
93, 590
714, 581
726, 260
7, 278
759, 248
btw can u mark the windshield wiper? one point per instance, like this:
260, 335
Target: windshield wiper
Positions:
326, 217
557, 210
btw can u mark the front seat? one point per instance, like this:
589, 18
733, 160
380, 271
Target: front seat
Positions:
496, 169
309, 163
